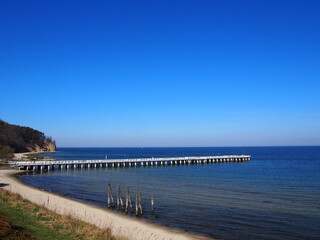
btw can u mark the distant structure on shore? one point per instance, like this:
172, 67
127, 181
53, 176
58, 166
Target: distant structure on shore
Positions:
17, 139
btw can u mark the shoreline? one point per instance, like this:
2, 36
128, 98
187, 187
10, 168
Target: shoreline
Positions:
19, 156
121, 225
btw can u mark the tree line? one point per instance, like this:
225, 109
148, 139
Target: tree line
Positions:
15, 139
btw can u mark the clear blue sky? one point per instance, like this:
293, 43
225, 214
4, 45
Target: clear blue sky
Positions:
163, 73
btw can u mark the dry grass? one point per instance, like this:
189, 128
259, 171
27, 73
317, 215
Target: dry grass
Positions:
68, 226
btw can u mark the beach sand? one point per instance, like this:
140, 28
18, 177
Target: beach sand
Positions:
20, 156
120, 225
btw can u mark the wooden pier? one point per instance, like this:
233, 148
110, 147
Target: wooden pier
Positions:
121, 163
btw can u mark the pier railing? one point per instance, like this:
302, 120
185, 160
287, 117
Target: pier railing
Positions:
135, 162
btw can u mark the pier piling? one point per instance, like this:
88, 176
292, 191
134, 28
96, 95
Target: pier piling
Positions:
140, 206
119, 198
128, 200
152, 204
137, 202
110, 197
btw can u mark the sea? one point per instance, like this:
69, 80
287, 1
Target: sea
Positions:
276, 195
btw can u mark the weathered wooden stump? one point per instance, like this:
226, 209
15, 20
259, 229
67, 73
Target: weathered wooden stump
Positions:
110, 197
119, 198
152, 204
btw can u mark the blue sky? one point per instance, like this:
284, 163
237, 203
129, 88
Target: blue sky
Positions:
162, 73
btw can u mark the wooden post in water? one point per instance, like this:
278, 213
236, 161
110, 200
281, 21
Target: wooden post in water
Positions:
128, 199
110, 197
119, 198
140, 206
152, 204
137, 202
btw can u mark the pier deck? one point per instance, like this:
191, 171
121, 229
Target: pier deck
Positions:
135, 162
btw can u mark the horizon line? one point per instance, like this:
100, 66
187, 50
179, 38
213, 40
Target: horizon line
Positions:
204, 146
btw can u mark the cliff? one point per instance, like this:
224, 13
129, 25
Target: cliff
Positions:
46, 147
24, 139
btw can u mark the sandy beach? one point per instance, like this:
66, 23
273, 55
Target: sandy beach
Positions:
103, 218
19, 156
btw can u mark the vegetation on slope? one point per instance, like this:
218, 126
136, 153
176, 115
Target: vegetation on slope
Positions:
6, 152
14, 138
21, 219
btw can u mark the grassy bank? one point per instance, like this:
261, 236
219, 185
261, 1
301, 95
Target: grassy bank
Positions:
21, 219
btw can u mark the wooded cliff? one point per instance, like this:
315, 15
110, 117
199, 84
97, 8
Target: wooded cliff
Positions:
24, 139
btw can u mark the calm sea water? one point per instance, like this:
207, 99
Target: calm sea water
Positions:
274, 196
